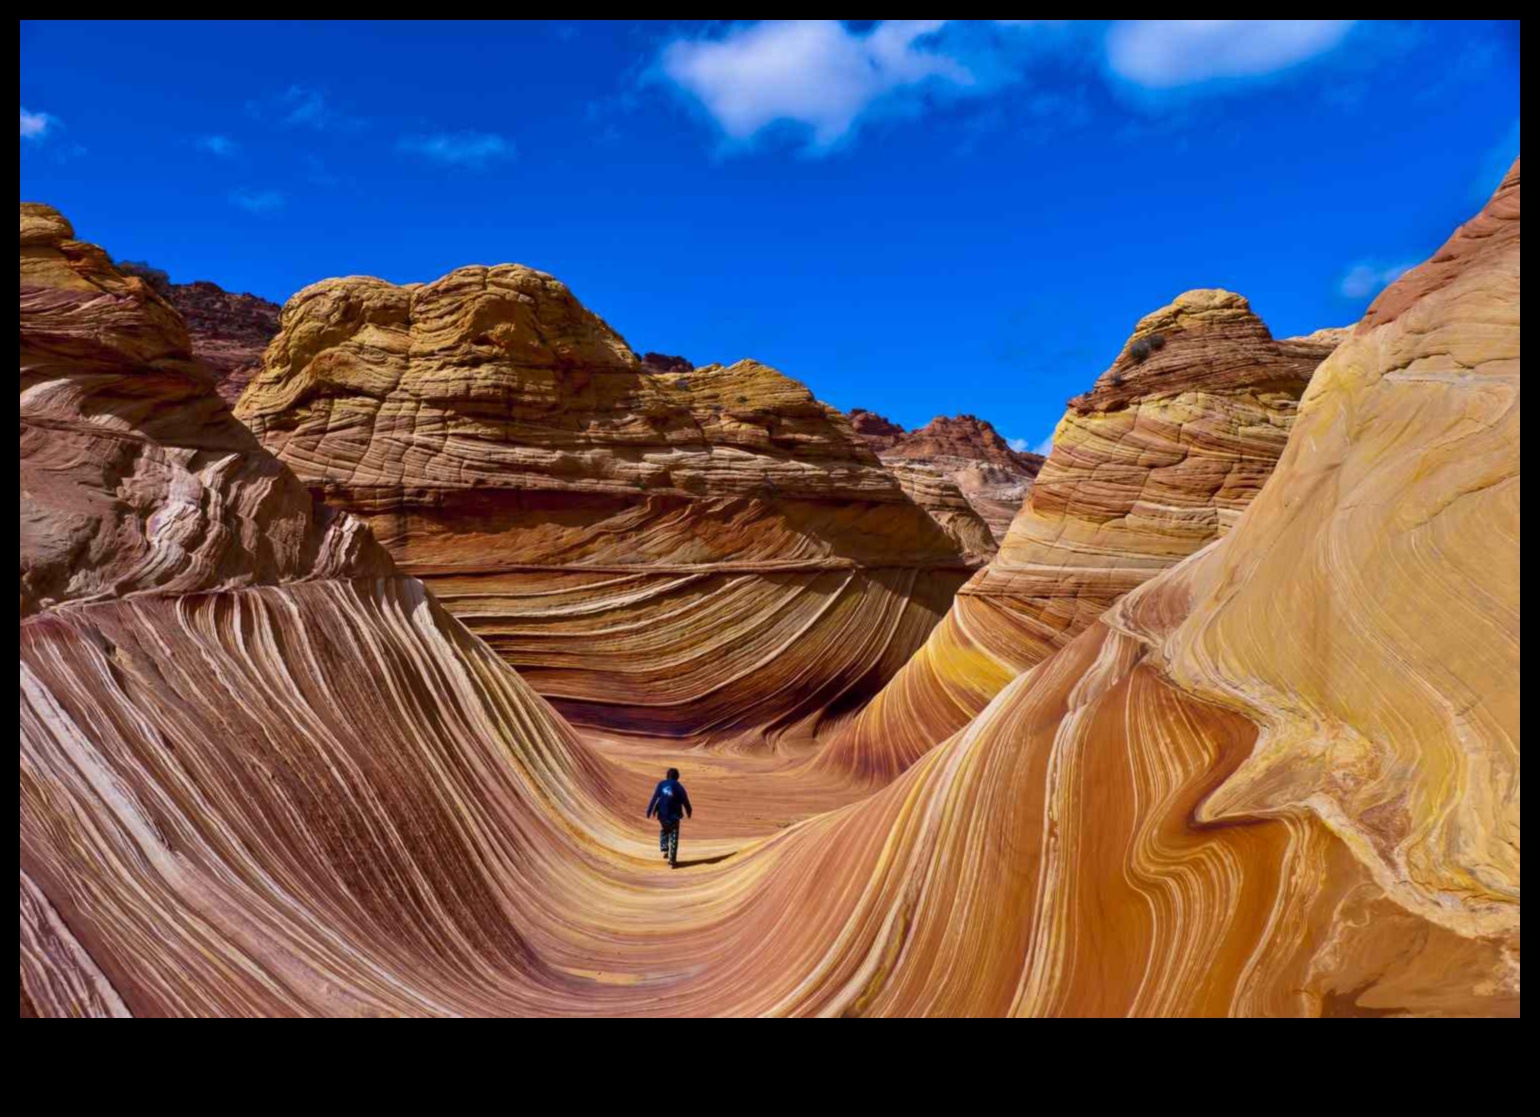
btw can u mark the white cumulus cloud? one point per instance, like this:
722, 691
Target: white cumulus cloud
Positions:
1363, 280
1045, 447
814, 72
1020, 445
459, 149
35, 125
1166, 53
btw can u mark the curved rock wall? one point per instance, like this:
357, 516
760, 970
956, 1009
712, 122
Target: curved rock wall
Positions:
1278, 778
708, 554
1158, 460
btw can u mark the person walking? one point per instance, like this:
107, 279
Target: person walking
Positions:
670, 804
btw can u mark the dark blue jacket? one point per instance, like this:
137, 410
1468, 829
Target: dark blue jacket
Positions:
670, 802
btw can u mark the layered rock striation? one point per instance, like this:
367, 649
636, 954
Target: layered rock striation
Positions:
1278, 778
1156, 461
255, 759
708, 554
134, 477
965, 450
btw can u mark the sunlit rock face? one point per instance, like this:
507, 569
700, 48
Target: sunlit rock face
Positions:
134, 477
230, 699
1282, 777
707, 553
1158, 460
1278, 778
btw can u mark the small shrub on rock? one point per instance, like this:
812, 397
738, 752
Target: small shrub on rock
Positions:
155, 277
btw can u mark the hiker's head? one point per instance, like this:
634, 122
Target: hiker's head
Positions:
673, 773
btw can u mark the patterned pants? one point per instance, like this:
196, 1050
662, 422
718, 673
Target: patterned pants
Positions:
667, 828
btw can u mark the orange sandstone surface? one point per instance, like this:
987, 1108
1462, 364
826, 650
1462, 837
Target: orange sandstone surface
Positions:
1157, 461
708, 554
1279, 777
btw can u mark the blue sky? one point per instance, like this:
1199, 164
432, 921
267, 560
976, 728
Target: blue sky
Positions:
918, 217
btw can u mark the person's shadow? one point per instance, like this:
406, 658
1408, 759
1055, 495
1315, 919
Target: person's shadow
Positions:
702, 861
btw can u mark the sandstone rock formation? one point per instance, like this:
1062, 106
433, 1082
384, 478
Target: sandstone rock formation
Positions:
994, 478
1282, 777
709, 554
1279, 778
134, 477
1159, 459
939, 495
228, 697
229, 331
879, 433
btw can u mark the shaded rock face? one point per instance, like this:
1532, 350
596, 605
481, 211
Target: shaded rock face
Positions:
940, 496
879, 433
711, 554
966, 450
662, 362
1157, 461
134, 476
229, 332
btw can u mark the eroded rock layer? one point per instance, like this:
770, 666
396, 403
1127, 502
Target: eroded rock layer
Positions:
965, 450
704, 553
221, 684
1159, 459
1281, 778
134, 477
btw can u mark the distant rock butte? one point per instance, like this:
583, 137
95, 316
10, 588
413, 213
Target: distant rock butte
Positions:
879, 433
1158, 460
994, 478
662, 362
229, 332
710, 554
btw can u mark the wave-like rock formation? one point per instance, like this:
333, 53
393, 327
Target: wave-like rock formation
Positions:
1157, 461
253, 756
1280, 778
968, 451
134, 477
710, 554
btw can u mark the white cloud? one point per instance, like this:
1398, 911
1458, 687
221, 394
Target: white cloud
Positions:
1363, 280
36, 125
459, 149
1020, 445
813, 72
1045, 447
222, 146
1166, 53
258, 201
